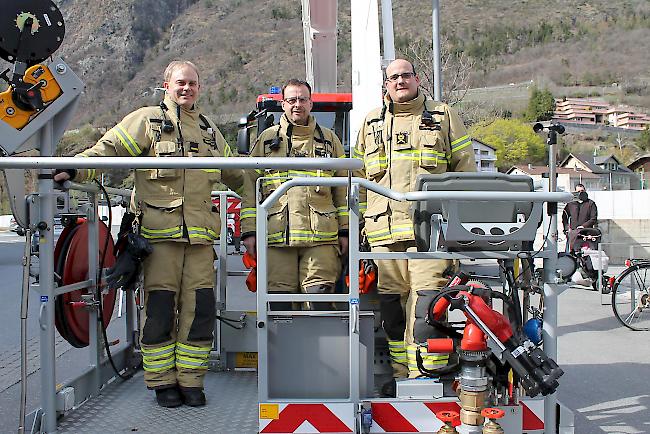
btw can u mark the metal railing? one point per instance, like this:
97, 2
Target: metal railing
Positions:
275, 163
95, 376
352, 297
90, 382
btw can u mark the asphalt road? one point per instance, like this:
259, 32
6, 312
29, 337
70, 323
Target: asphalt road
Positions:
606, 366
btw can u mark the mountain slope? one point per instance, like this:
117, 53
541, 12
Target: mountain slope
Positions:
120, 48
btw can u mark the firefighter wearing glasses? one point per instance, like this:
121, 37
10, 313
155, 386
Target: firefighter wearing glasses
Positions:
174, 211
407, 136
308, 225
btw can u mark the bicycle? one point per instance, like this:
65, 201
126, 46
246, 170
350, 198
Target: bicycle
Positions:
631, 295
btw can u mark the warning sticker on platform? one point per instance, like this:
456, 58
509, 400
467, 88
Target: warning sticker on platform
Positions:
246, 360
270, 411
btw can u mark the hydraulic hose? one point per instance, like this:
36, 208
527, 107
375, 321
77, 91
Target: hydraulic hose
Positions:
100, 313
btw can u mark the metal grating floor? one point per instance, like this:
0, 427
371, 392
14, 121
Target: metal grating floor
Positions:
129, 407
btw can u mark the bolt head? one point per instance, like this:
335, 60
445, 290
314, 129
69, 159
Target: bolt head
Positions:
61, 68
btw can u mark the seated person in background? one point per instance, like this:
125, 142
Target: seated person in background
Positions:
581, 213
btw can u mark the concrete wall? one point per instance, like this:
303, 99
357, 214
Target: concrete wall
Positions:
622, 204
625, 237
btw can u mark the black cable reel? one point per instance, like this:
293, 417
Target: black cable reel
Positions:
30, 30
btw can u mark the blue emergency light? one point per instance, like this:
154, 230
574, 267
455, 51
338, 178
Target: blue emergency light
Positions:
275, 90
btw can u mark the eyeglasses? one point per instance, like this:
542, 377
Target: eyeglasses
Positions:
294, 99
405, 75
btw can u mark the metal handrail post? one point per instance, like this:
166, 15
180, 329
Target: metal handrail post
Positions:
222, 265
354, 303
223, 244
95, 336
549, 331
46, 285
262, 305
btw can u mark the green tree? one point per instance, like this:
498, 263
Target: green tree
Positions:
514, 140
643, 141
541, 105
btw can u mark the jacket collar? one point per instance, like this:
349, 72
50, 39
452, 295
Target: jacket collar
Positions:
414, 106
298, 130
172, 108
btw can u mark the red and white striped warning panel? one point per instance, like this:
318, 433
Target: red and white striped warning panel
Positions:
413, 416
420, 417
533, 414
307, 418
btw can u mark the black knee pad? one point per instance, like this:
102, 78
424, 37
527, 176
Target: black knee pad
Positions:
392, 316
205, 313
160, 317
421, 330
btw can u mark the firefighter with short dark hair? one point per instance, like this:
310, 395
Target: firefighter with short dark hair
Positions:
173, 210
409, 135
308, 227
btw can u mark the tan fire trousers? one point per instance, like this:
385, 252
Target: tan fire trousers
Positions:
179, 314
310, 270
405, 277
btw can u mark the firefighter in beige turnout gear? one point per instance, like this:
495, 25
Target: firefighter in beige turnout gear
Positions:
408, 136
174, 210
307, 225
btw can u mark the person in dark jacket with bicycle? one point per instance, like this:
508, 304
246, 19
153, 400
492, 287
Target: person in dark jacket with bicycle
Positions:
579, 214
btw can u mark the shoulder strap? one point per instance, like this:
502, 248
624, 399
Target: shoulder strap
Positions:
206, 122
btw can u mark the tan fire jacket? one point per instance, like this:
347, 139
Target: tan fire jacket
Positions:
175, 204
304, 216
396, 146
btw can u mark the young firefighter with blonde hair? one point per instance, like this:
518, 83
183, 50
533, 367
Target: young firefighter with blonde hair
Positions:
173, 214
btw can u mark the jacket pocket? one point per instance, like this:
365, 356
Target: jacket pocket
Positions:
277, 224
323, 221
212, 221
165, 149
432, 151
376, 220
374, 160
162, 218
